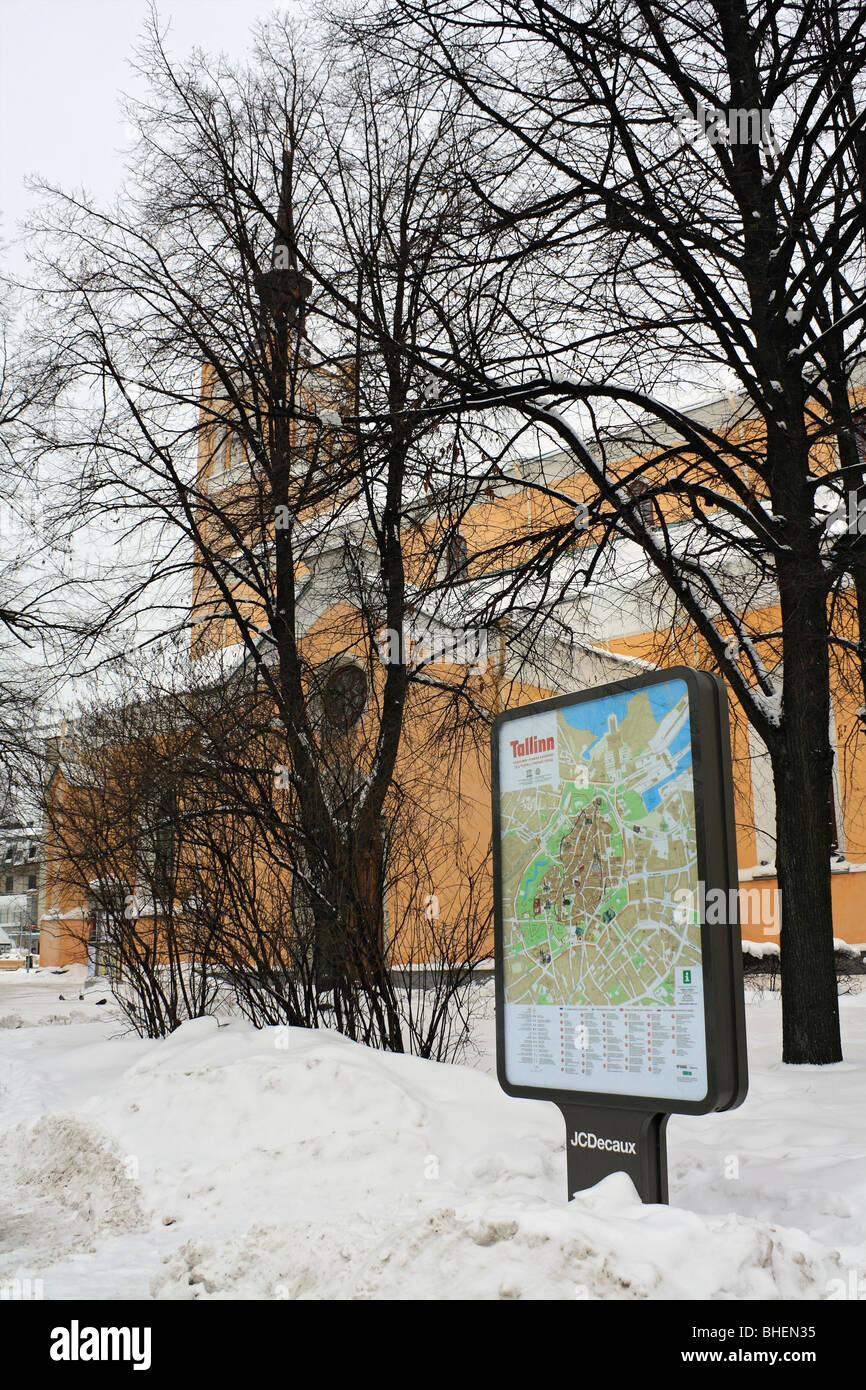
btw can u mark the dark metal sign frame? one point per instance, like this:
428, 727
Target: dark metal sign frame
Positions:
721, 952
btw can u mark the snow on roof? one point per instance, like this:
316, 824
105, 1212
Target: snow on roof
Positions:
761, 948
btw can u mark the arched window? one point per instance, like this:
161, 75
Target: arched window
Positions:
646, 507
456, 553
344, 695
833, 811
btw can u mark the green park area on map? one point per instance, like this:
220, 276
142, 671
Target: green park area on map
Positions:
591, 865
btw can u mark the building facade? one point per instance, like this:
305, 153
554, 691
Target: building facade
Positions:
618, 624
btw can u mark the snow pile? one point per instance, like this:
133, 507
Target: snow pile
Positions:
605, 1244
225, 1163
45, 1020
68, 1193
63, 1159
387, 1177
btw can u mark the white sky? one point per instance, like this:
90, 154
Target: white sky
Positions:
63, 67
63, 64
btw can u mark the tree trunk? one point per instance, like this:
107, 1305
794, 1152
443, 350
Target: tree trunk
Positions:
802, 762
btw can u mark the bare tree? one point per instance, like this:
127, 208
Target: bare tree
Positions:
112, 790
683, 190
247, 333
30, 381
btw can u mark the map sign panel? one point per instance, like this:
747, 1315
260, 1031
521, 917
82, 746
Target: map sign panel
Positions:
602, 970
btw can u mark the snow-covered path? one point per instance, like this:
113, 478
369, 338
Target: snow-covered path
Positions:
228, 1163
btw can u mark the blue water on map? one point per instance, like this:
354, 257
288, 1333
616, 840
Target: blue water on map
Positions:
537, 870
652, 796
592, 715
682, 741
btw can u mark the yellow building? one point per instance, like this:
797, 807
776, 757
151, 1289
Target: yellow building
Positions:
618, 625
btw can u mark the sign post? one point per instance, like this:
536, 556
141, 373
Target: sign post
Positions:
616, 998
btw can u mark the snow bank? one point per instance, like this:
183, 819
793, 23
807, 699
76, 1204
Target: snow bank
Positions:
61, 1158
226, 1163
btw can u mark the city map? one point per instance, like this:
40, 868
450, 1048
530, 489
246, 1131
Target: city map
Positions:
602, 964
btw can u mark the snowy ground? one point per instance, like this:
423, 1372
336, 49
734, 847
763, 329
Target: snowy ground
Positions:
226, 1163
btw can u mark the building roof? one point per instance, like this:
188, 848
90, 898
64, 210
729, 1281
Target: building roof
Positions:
20, 846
